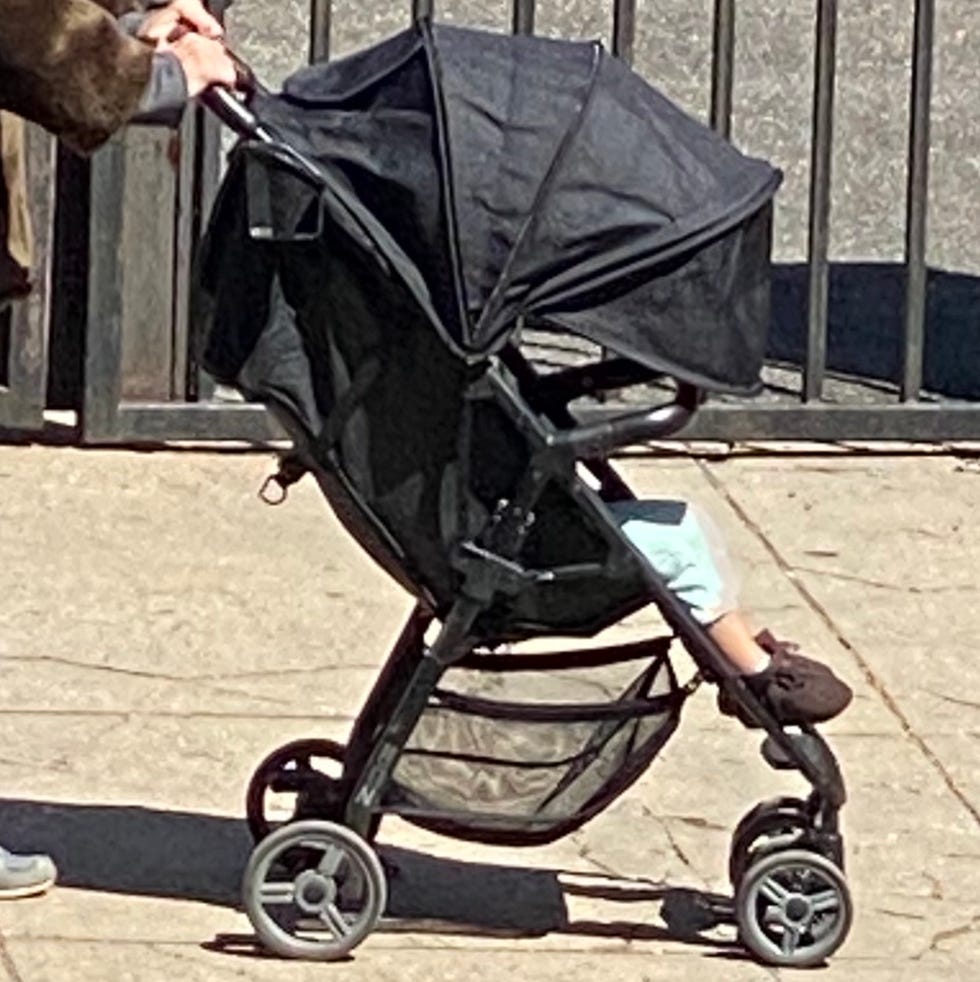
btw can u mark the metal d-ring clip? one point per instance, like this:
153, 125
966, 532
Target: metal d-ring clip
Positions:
291, 469
269, 496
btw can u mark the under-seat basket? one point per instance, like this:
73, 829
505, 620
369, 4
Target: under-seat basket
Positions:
528, 747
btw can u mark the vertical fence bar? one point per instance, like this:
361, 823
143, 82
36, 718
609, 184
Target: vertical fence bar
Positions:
623, 35
199, 180
723, 67
523, 17
624, 29
184, 247
917, 201
104, 316
319, 30
820, 169
22, 403
422, 9
205, 180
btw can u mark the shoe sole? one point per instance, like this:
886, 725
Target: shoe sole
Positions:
18, 893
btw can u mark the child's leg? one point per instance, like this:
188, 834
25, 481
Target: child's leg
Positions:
684, 549
682, 545
732, 634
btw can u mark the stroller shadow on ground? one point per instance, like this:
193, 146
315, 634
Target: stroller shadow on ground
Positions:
190, 856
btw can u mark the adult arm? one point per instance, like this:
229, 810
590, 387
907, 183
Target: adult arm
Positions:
169, 87
66, 65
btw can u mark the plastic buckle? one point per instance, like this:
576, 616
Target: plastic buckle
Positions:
693, 685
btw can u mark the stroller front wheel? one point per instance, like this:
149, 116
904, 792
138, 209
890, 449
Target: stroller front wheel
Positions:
314, 890
793, 908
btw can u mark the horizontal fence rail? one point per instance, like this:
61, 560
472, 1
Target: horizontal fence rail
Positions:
814, 405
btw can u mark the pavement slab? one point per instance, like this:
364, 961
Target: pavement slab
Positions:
890, 574
161, 631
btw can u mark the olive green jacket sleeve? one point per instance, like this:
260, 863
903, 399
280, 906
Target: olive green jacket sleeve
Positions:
66, 65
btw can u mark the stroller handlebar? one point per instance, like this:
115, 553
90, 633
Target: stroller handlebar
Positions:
235, 114
607, 435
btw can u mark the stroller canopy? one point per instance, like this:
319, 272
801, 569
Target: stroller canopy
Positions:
522, 177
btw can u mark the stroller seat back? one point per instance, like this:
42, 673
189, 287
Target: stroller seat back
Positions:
383, 415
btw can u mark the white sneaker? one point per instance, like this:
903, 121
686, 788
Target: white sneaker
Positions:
25, 876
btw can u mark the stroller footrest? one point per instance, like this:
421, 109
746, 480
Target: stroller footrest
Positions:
812, 757
808, 746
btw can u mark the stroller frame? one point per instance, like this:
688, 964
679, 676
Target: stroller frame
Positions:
343, 815
488, 571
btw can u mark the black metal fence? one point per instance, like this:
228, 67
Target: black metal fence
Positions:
798, 405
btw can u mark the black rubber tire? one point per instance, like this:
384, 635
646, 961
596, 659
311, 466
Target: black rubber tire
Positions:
772, 825
295, 752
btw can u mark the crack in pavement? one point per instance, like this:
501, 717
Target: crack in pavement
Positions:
95, 667
31, 763
935, 886
881, 584
584, 852
697, 822
6, 959
675, 846
948, 934
166, 677
968, 703
242, 715
279, 672
869, 675
900, 914
207, 680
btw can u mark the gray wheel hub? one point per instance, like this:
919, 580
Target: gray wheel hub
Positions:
793, 908
315, 893
798, 914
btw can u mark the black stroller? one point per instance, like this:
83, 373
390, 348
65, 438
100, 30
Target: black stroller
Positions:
389, 225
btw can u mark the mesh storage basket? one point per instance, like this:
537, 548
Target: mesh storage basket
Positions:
525, 748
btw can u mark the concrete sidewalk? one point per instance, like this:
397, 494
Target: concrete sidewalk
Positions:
161, 630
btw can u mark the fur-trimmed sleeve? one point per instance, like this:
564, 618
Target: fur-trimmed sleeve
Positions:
66, 65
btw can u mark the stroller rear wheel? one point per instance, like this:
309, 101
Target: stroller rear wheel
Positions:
314, 890
793, 908
291, 771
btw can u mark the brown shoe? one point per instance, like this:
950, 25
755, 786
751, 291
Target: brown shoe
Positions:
795, 689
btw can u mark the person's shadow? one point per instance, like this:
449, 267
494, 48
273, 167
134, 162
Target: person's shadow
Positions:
185, 855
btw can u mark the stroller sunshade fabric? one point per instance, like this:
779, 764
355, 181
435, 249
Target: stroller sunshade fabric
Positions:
524, 177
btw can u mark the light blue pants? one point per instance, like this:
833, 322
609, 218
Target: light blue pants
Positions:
682, 545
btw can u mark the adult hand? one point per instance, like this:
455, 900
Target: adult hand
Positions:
205, 62
178, 16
